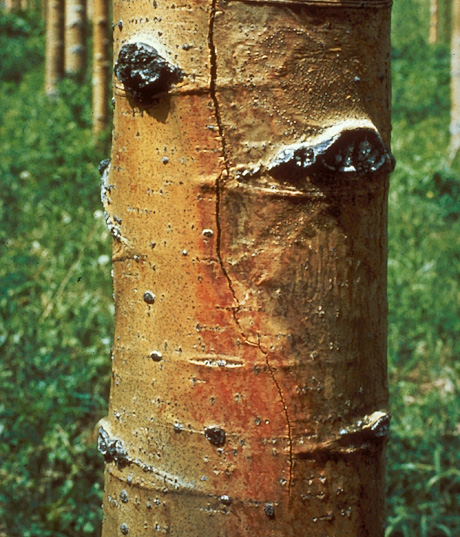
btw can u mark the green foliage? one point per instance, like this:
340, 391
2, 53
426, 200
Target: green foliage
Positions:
55, 299
56, 310
424, 293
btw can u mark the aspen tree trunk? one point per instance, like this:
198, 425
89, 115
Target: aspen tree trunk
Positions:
75, 36
246, 196
54, 60
89, 10
101, 65
12, 5
455, 81
24, 5
434, 22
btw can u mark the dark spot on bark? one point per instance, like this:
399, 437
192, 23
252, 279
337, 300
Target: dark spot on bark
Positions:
149, 297
269, 509
103, 165
356, 152
156, 356
215, 435
112, 449
124, 529
226, 500
124, 496
145, 73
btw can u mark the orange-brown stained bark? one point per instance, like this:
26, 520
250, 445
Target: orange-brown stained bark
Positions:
247, 200
101, 64
54, 59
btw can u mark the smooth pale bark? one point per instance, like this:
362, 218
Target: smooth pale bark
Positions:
247, 200
54, 57
12, 5
75, 36
455, 81
89, 9
101, 65
434, 22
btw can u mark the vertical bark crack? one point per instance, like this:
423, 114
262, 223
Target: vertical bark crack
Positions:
219, 188
286, 413
226, 172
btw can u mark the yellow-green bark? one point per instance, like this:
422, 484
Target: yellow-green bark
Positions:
455, 81
101, 65
434, 22
54, 57
89, 9
12, 5
75, 36
247, 200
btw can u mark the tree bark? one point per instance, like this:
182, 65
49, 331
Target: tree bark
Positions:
246, 196
89, 10
54, 61
455, 81
101, 65
75, 36
434, 22
12, 5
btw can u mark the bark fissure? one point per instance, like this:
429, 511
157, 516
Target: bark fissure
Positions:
286, 413
213, 92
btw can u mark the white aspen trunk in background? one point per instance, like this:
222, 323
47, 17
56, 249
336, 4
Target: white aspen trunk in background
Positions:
101, 65
12, 5
54, 56
75, 36
247, 199
434, 22
455, 81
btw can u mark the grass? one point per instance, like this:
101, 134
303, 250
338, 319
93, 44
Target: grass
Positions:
56, 308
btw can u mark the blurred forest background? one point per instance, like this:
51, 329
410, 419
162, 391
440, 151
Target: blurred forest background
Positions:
56, 298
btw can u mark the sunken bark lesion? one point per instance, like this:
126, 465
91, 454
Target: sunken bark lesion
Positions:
144, 72
359, 152
364, 434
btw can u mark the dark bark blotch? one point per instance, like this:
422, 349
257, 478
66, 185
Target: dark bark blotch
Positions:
215, 435
145, 73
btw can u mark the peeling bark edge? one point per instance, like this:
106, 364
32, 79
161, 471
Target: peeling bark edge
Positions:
358, 152
365, 434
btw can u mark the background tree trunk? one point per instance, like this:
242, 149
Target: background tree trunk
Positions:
101, 65
247, 200
89, 9
12, 5
455, 81
434, 22
75, 36
54, 61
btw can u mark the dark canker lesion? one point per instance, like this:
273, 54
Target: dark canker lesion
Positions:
363, 434
144, 73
